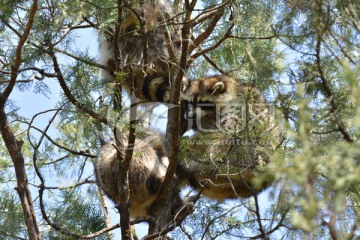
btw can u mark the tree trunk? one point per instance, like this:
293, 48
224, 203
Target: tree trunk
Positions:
14, 148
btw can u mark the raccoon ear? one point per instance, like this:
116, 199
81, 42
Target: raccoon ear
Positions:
185, 83
218, 87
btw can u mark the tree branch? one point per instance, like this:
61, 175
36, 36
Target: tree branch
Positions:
17, 60
206, 14
325, 85
214, 46
161, 207
14, 148
84, 153
69, 95
203, 36
90, 63
13, 145
86, 181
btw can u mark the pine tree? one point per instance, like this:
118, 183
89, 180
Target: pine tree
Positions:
55, 111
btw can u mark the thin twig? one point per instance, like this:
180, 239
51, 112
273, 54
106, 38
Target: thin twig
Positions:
71, 98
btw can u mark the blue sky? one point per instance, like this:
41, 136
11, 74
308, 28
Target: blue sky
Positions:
31, 104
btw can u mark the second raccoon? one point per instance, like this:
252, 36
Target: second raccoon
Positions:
146, 172
235, 135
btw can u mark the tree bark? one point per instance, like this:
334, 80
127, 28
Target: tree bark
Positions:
13, 145
14, 148
161, 209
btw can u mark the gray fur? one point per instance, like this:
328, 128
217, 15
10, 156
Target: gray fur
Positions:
146, 173
233, 139
147, 76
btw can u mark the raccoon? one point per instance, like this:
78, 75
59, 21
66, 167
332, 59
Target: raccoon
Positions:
146, 172
147, 76
235, 134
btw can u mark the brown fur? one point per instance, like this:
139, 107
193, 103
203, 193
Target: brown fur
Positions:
235, 135
148, 77
146, 173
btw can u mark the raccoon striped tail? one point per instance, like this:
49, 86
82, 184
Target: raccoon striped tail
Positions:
149, 89
156, 89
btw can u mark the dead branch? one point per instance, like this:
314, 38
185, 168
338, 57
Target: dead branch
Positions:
105, 206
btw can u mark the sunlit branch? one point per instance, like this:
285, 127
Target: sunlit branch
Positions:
56, 160
86, 181
84, 153
108, 229
12, 144
32, 78
213, 220
340, 47
214, 46
161, 206
325, 85
207, 13
83, 60
204, 35
69, 95
105, 207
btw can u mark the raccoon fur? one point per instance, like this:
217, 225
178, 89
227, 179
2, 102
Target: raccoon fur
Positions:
235, 135
146, 173
147, 76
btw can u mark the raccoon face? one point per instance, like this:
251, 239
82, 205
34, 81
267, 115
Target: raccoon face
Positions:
200, 97
204, 100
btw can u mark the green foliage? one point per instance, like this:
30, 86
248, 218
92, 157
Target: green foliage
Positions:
11, 217
77, 214
304, 55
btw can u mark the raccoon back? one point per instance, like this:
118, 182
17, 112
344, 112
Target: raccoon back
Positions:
146, 174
